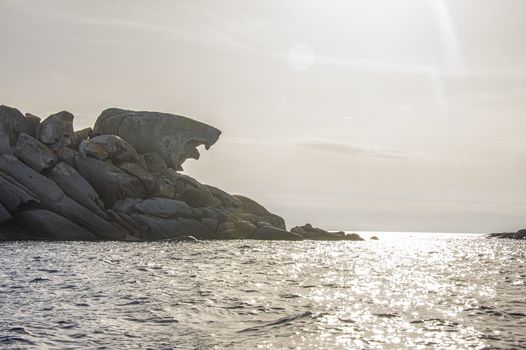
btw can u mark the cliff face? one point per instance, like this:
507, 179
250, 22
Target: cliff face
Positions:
117, 181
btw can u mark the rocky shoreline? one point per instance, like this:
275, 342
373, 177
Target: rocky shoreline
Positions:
521, 234
121, 180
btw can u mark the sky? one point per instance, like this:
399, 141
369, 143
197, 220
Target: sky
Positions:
373, 115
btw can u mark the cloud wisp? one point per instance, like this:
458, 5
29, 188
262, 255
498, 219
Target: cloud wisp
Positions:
354, 150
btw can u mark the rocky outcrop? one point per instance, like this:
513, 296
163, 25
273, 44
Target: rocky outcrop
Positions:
309, 232
521, 234
121, 181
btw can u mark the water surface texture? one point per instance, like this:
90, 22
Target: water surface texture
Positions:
404, 291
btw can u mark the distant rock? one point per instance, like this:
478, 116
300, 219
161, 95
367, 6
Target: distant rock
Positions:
521, 234
275, 234
309, 232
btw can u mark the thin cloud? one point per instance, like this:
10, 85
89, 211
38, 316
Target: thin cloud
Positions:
509, 144
358, 150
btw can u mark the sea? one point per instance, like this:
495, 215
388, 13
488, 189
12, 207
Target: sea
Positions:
404, 291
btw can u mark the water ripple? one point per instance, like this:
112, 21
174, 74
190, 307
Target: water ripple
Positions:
404, 291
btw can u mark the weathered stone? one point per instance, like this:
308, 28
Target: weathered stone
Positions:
77, 188
210, 223
226, 230
13, 195
131, 227
226, 199
165, 184
56, 130
52, 198
33, 121
109, 147
244, 228
111, 183
158, 228
5, 146
249, 206
13, 123
34, 153
126, 206
163, 208
275, 234
4, 215
47, 225
174, 137
155, 163
192, 192
79, 136
214, 213
147, 179
68, 156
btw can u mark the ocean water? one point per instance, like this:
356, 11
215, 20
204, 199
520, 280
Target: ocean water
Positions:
412, 290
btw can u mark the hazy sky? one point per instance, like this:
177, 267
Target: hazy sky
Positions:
365, 115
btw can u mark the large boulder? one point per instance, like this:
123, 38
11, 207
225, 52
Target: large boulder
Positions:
174, 137
256, 212
76, 187
46, 225
56, 131
52, 198
34, 153
12, 124
110, 182
109, 147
